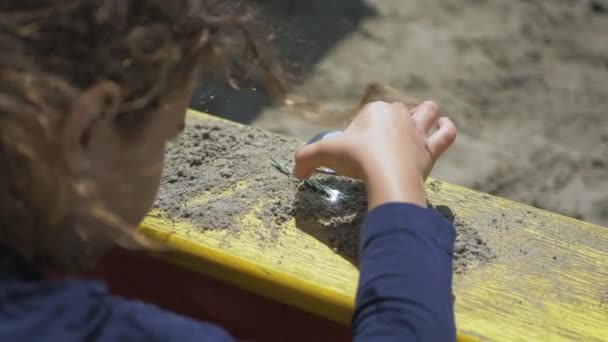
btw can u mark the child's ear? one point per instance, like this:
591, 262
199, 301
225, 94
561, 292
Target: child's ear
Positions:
95, 106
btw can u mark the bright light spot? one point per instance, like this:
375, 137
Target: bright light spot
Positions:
334, 195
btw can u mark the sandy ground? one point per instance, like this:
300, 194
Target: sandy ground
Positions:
525, 81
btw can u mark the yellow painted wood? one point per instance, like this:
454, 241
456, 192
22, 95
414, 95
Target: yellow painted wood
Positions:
548, 281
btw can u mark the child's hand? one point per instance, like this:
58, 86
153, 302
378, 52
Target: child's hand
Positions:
387, 147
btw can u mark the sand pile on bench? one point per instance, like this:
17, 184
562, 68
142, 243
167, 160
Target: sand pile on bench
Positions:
233, 163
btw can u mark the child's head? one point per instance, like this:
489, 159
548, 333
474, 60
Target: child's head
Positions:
90, 92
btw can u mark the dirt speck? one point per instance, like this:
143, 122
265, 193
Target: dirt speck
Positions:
598, 7
434, 186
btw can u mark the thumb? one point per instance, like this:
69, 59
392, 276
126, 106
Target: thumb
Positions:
308, 158
331, 152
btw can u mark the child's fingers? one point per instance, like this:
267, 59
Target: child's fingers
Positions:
310, 157
413, 110
442, 139
305, 161
400, 107
426, 115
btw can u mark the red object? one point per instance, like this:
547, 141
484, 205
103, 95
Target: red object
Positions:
245, 315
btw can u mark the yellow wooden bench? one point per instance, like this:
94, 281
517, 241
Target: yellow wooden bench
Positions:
548, 280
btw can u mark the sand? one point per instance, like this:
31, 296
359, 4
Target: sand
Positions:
234, 162
525, 81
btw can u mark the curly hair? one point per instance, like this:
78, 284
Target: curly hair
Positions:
52, 51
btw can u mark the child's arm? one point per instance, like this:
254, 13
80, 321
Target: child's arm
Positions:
406, 250
406, 276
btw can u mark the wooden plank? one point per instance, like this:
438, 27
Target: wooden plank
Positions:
548, 280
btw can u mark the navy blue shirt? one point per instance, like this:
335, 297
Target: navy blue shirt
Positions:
404, 293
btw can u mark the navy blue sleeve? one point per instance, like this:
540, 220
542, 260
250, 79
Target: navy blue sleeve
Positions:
405, 283
83, 311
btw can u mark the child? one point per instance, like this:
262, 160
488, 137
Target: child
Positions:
90, 92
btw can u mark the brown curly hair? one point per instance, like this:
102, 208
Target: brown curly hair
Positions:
52, 51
